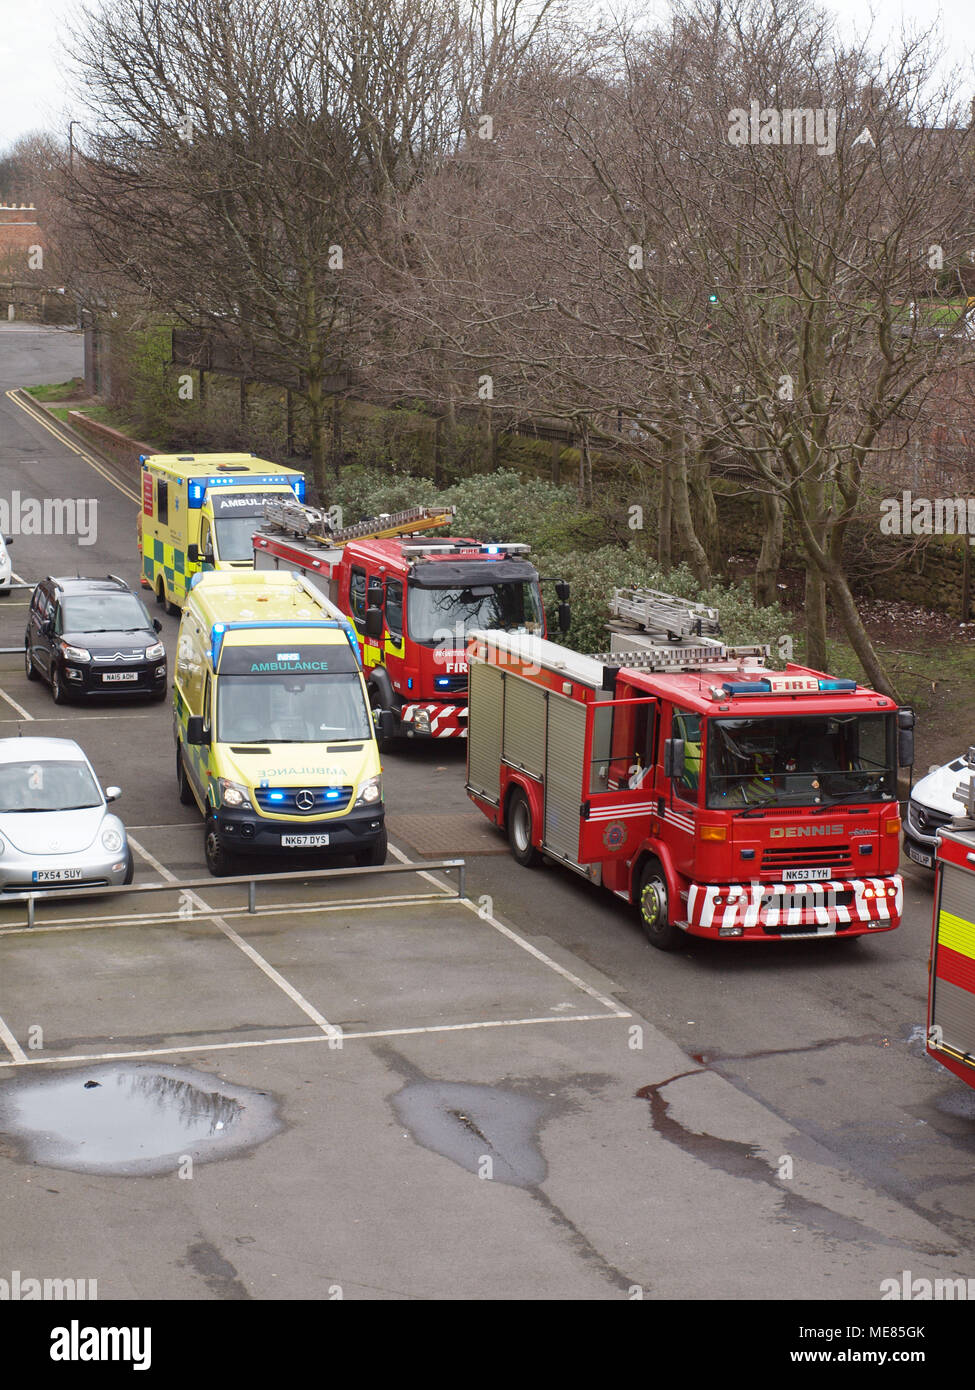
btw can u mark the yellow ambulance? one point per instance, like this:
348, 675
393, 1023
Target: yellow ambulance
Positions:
200, 511
275, 741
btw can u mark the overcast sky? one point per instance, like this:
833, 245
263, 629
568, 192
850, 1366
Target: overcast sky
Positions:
33, 94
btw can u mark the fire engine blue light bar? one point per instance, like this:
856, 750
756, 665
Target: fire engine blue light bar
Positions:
764, 687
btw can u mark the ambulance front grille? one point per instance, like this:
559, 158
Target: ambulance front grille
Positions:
291, 801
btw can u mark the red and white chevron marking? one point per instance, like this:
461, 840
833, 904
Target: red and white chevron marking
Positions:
446, 721
795, 904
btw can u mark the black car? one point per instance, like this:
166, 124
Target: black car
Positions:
93, 637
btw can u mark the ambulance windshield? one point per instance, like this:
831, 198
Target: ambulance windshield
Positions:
435, 616
291, 708
800, 760
235, 536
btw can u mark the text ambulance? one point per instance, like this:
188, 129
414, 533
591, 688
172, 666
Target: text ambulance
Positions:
722, 799
274, 737
198, 512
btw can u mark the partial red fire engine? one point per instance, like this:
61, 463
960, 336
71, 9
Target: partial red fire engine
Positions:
412, 601
951, 968
721, 798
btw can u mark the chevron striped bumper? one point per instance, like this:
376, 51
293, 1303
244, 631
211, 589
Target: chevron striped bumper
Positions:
758, 911
435, 721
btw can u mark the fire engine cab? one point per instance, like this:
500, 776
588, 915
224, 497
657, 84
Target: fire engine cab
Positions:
721, 798
951, 968
412, 600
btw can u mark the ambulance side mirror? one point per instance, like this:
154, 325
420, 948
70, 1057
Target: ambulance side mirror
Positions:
195, 732
374, 622
674, 758
193, 553
905, 737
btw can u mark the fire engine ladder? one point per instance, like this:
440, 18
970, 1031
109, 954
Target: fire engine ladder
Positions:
312, 525
660, 632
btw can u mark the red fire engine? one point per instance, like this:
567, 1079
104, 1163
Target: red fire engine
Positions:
723, 799
951, 969
412, 601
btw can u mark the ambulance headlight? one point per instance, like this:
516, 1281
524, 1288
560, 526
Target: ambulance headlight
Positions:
75, 653
154, 652
233, 794
112, 840
370, 792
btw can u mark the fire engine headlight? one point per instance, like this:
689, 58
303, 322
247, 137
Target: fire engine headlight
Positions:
370, 792
112, 840
154, 652
421, 721
75, 653
232, 793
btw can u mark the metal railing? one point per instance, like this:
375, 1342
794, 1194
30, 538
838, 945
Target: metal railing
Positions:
53, 895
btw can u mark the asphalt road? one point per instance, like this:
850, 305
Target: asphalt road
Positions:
728, 1121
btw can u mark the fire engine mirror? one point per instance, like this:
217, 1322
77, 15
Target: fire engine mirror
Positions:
195, 732
562, 590
674, 758
374, 622
905, 747
374, 593
193, 553
906, 718
565, 617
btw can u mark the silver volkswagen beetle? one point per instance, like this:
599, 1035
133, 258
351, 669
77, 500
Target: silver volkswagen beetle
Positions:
55, 826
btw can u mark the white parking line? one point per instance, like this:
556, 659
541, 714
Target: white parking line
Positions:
308, 1009
14, 705
338, 1038
12, 1045
525, 945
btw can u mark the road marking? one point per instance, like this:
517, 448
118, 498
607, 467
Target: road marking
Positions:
265, 966
13, 1046
45, 421
526, 945
69, 714
337, 1035
14, 705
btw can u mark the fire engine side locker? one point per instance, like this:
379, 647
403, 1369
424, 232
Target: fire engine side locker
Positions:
951, 992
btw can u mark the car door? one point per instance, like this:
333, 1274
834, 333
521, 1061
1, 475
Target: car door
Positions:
37, 639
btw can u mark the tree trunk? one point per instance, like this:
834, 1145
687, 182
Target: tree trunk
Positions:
585, 469
691, 547
770, 554
665, 515
316, 433
816, 656
846, 608
704, 511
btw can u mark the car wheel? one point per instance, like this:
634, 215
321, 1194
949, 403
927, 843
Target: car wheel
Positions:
220, 861
182, 781
375, 854
521, 830
158, 696
129, 867
653, 904
57, 687
29, 662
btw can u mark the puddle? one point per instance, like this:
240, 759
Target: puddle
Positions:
469, 1123
135, 1120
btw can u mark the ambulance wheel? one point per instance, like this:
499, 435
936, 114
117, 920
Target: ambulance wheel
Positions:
182, 781
29, 663
375, 854
219, 861
161, 592
520, 828
652, 902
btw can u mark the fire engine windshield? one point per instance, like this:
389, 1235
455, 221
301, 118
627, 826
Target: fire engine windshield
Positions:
800, 760
435, 614
291, 708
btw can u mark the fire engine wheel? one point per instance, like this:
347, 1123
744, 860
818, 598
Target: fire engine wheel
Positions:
220, 861
519, 819
654, 913
387, 743
182, 781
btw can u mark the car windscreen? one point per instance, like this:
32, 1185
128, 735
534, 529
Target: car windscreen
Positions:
103, 613
47, 786
800, 760
291, 709
434, 616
